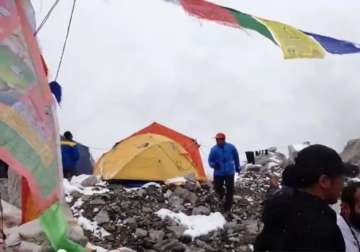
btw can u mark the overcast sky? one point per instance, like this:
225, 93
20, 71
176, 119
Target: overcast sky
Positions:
132, 62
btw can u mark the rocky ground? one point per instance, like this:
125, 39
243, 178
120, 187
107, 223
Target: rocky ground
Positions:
127, 218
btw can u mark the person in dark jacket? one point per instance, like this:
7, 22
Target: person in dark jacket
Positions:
349, 219
70, 155
298, 217
224, 159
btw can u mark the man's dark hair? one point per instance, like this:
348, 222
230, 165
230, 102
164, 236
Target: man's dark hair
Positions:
315, 161
348, 194
68, 135
289, 176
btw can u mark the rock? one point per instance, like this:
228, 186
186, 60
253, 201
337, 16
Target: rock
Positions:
76, 195
147, 210
97, 202
130, 221
252, 227
30, 247
186, 239
12, 214
181, 192
89, 181
201, 210
168, 193
192, 198
172, 245
14, 188
141, 192
205, 246
77, 235
156, 235
191, 185
235, 239
234, 226
254, 168
13, 239
141, 233
29, 231
244, 248
102, 217
177, 230
124, 249
176, 202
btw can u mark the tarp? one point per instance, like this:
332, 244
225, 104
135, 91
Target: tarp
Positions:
145, 157
188, 143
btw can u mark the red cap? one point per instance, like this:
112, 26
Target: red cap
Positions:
220, 136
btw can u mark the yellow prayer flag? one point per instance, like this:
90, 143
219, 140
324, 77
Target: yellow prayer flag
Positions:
294, 43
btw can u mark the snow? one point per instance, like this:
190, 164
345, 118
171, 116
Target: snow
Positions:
78, 203
75, 186
196, 225
354, 179
68, 198
272, 164
151, 184
77, 180
176, 181
92, 226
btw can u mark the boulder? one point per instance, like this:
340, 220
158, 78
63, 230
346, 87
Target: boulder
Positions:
156, 235
77, 235
124, 249
89, 181
13, 239
102, 217
139, 232
201, 210
28, 231
177, 230
14, 188
12, 215
30, 247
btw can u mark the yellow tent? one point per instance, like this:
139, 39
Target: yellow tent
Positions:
146, 157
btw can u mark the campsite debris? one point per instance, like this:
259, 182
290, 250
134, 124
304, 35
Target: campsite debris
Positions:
128, 218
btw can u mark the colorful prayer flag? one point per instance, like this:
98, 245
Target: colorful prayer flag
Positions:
29, 138
293, 42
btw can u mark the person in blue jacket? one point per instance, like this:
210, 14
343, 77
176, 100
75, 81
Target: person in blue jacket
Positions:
70, 155
224, 159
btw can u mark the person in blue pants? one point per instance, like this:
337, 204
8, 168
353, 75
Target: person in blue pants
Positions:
224, 159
